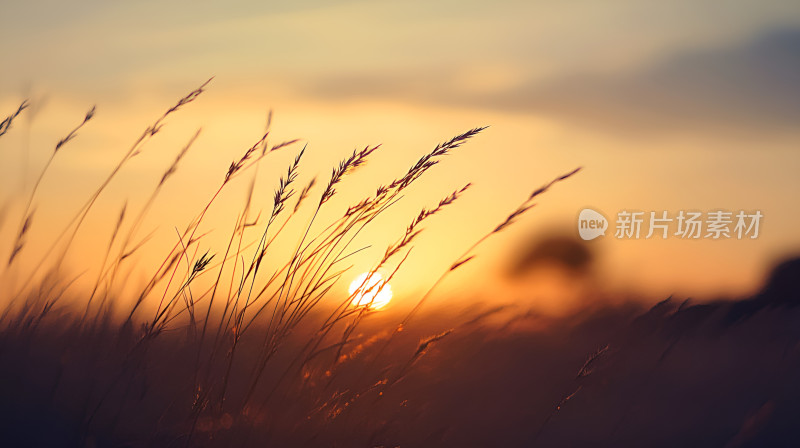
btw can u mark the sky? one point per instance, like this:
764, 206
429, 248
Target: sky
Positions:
667, 106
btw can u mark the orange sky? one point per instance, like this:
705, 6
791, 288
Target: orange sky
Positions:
677, 106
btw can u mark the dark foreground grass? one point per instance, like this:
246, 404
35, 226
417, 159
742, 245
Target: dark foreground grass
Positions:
705, 375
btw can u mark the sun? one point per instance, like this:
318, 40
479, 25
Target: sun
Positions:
371, 291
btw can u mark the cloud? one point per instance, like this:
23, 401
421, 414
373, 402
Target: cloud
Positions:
753, 85
749, 86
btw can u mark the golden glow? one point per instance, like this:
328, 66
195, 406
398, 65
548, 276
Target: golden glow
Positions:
429, 77
370, 290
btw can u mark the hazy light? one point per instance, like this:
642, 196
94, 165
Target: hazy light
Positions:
370, 291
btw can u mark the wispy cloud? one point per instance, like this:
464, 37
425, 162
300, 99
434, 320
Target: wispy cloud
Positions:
751, 84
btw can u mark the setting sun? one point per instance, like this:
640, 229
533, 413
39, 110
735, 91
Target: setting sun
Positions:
370, 291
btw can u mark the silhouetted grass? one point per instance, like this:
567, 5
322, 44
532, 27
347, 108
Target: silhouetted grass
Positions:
264, 342
244, 345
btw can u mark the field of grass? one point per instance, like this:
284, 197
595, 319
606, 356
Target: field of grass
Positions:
235, 346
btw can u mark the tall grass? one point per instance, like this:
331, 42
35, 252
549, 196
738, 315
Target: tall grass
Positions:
263, 344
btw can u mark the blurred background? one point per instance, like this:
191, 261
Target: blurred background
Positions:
684, 105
